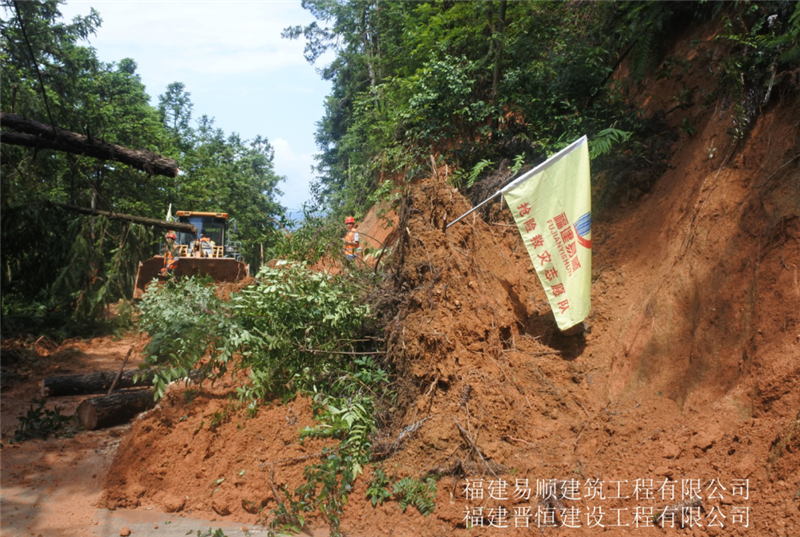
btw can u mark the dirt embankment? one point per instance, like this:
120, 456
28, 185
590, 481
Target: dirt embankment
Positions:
689, 370
687, 377
688, 373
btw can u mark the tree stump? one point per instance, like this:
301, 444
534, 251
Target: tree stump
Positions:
93, 382
108, 410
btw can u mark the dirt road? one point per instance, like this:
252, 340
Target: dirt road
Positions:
52, 487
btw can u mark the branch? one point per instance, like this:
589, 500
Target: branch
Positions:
40, 136
163, 224
779, 169
119, 373
349, 353
474, 447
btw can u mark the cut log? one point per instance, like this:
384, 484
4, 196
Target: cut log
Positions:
93, 382
108, 410
40, 136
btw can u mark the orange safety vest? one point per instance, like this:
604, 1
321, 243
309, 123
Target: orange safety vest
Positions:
352, 236
170, 261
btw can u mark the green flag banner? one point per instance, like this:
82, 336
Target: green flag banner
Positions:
552, 207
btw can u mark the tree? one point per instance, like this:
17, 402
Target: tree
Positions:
175, 109
68, 266
468, 81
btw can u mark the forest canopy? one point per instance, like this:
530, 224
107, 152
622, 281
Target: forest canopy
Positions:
475, 84
62, 265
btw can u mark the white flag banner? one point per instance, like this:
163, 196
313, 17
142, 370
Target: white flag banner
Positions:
552, 207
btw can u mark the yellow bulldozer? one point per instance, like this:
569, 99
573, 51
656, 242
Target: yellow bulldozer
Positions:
209, 251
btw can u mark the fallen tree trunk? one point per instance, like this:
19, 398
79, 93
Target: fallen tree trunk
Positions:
108, 410
40, 136
163, 224
93, 382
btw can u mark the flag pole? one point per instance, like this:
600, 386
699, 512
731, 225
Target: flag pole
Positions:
493, 196
547, 163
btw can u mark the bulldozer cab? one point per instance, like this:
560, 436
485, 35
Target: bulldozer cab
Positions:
211, 239
210, 252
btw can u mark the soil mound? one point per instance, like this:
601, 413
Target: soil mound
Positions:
687, 376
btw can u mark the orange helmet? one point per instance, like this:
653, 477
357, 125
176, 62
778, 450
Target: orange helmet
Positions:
171, 235
349, 220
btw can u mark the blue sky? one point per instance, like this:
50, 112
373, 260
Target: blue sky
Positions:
234, 63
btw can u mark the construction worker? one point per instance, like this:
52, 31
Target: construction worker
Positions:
170, 254
351, 243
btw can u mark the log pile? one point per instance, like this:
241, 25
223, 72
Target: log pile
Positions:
112, 408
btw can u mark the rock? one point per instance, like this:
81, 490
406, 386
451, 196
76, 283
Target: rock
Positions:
670, 450
173, 503
124, 532
220, 508
707, 437
663, 471
745, 467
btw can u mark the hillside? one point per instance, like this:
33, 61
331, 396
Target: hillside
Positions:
685, 384
688, 369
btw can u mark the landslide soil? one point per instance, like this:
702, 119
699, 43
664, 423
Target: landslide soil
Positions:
688, 368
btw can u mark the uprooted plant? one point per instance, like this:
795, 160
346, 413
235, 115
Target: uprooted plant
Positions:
296, 331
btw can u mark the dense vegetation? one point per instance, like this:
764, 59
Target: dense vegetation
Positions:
473, 84
294, 331
61, 269
477, 83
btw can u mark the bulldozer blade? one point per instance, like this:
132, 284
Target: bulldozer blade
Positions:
219, 269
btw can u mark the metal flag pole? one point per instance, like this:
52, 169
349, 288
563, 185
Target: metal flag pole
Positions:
524, 177
476, 207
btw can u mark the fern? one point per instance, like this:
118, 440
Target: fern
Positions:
605, 140
791, 40
645, 27
477, 170
519, 161
420, 494
457, 178
377, 491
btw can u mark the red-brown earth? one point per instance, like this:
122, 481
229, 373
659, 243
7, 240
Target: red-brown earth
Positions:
688, 372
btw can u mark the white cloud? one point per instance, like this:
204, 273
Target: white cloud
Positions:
233, 61
199, 37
